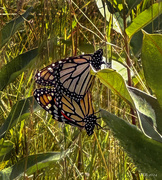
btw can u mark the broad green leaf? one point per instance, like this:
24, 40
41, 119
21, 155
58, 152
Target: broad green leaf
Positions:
152, 63
115, 82
144, 18
9, 29
13, 69
31, 164
145, 152
132, 3
5, 149
149, 113
19, 111
119, 19
136, 41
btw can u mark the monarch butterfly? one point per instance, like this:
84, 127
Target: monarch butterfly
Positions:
71, 76
65, 109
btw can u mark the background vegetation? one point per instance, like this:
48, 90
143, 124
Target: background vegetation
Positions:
36, 33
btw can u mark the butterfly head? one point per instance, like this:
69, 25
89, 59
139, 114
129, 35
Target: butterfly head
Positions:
97, 59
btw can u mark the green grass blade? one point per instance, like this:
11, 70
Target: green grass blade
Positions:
20, 111
32, 164
145, 152
152, 63
13, 69
10, 28
144, 18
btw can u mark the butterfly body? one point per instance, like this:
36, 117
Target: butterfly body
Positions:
71, 76
65, 109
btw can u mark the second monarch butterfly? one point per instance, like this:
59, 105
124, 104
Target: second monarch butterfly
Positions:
65, 109
71, 76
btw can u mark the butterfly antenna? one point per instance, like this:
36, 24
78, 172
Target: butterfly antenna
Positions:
108, 65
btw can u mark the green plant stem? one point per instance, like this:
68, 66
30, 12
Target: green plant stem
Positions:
127, 58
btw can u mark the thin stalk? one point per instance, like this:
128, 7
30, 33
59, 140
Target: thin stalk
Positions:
103, 158
128, 61
80, 156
